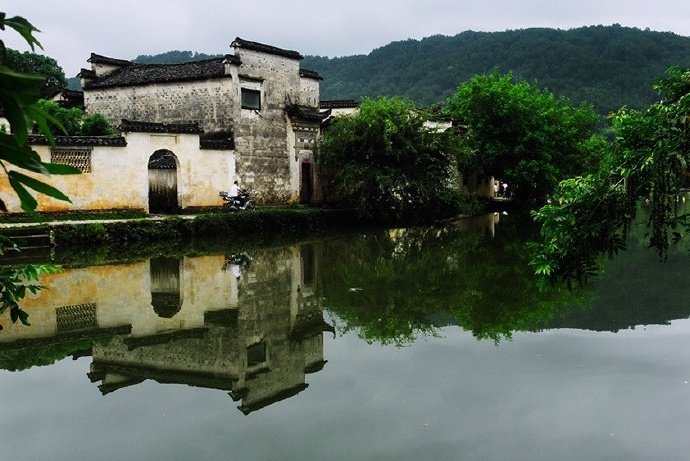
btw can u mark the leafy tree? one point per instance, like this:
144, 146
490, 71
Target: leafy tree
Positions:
19, 94
523, 134
384, 160
74, 121
608, 66
648, 162
32, 63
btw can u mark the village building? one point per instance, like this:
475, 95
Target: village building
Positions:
259, 97
189, 130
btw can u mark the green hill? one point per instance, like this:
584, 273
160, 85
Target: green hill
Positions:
609, 66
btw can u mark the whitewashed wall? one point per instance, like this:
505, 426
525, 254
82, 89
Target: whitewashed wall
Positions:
119, 175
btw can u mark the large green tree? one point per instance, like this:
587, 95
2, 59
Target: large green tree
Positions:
646, 166
36, 64
524, 135
387, 161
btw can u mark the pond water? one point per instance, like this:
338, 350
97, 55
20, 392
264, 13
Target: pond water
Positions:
428, 343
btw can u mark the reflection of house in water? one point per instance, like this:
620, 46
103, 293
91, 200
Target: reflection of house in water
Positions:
481, 224
182, 321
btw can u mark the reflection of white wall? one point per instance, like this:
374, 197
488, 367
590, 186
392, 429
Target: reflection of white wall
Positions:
122, 295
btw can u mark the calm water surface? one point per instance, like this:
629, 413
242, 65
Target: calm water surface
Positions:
408, 344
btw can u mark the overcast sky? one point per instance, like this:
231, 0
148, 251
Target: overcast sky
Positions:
72, 29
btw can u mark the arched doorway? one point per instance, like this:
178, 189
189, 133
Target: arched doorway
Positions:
163, 182
306, 188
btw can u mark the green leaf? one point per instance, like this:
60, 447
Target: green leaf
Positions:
59, 168
24, 28
38, 186
23, 317
27, 202
21, 156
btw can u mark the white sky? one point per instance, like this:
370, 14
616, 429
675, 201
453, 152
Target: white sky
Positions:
72, 29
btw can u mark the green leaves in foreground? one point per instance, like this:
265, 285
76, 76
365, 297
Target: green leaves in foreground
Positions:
14, 284
19, 95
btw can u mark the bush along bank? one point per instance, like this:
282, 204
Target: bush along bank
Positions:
247, 225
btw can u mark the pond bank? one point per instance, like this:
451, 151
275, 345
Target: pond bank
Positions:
256, 225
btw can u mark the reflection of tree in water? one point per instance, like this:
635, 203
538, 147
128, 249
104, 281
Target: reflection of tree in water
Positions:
392, 287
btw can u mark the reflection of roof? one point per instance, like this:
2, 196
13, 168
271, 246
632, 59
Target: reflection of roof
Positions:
75, 335
277, 397
256, 46
134, 342
225, 317
309, 327
141, 74
138, 373
314, 367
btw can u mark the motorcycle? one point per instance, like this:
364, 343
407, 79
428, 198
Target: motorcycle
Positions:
240, 202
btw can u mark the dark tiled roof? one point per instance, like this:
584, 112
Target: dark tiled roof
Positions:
255, 46
141, 74
310, 74
113, 141
99, 59
308, 114
219, 140
133, 126
339, 104
70, 98
86, 73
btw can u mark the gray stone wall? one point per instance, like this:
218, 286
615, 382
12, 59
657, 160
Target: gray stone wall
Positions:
209, 103
262, 137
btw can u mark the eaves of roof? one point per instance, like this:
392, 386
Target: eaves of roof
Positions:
263, 48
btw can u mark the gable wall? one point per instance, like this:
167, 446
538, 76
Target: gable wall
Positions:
208, 102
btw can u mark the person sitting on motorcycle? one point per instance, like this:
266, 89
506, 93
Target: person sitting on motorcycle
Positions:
235, 191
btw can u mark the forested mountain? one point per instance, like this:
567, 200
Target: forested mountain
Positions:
173, 57
609, 66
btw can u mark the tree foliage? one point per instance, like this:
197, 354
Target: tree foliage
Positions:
384, 160
45, 66
19, 94
75, 121
608, 66
174, 57
524, 135
647, 163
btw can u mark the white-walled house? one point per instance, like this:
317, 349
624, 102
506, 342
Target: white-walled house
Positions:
188, 131
259, 96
